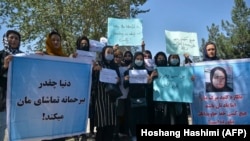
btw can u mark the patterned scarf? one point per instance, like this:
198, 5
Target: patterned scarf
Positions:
9, 49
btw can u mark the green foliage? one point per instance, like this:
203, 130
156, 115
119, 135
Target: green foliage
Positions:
36, 18
234, 41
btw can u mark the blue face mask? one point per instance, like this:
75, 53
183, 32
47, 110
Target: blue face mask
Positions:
174, 61
138, 63
109, 57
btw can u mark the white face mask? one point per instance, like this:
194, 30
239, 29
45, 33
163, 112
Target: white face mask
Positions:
149, 64
174, 61
138, 63
109, 57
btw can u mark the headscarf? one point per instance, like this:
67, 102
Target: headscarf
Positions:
212, 75
50, 49
127, 62
104, 60
78, 43
205, 56
109, 64
133, 63
170, 58
165, 57
149, 53
7, 47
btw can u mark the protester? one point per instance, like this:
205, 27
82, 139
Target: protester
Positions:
127, 58
149, 64
11, 43
105, 109
121, 103
82, 43
137, 95
161, 107
210, 52
178, 111
54, 48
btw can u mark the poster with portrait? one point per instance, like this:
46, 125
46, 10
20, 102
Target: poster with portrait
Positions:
218, 79
221, 92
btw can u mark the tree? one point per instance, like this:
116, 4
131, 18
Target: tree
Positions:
35, 19
234, 41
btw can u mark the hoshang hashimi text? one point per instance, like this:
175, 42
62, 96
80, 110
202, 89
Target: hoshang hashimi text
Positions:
177, 133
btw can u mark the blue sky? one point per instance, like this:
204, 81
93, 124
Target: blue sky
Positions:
182, 15
179, 15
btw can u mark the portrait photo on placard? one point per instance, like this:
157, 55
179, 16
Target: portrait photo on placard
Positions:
218, 79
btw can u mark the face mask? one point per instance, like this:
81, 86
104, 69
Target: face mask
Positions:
161, 63
138, 63
84, 47
127, 62
149, 62
174, 61
109, 57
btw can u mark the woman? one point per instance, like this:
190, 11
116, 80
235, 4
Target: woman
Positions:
53, 44
149, 64
218, 79
122, 127
54, 48
11, 43
161, 107
105, 109
127, 59
210, 52
82, 43
137, 115
178, 111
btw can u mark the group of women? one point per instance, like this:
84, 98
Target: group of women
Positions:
135, 106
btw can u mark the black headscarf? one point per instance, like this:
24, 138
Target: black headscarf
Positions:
127, 62
133, 63
164, 63
106, 62
169, 60
149, 53
205, 56
79, 46
212, 75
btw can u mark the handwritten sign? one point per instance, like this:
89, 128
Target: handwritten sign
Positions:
45, 94
108, 76
182, 42
225, 107
86, 56
138, 76
125, 32
96, 46
173, 84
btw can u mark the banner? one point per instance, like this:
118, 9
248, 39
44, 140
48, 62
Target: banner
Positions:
221, 92
173, 84
125, 32
178, 42
48, 97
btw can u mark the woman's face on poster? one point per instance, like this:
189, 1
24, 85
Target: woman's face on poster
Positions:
219, 80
